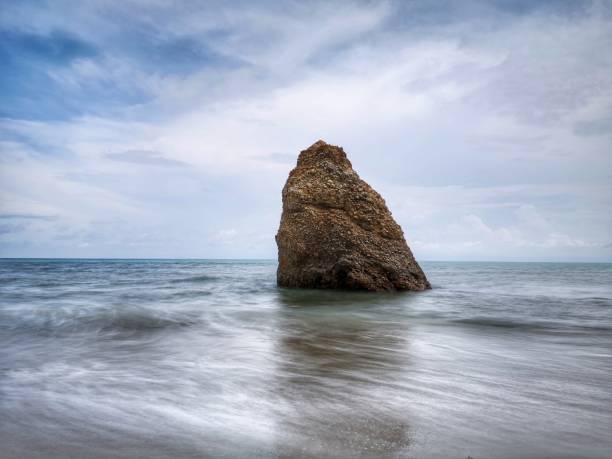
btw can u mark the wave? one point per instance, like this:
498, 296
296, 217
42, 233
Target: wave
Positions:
188, 294
105, 321
525, 325
202, 278
146, 322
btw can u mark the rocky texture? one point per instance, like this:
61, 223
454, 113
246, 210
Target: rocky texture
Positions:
336, 231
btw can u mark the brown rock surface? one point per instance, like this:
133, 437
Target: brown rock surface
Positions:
336, 231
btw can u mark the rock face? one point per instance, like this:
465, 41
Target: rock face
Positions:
336, 231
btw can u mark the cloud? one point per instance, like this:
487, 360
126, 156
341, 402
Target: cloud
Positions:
527, 237
25, 86
281, 158
25, 217
57, 47
147, 158
595, 127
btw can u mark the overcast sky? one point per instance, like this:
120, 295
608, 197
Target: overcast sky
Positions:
157, 128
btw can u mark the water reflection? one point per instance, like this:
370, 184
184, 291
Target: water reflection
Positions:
335, 376
296, 298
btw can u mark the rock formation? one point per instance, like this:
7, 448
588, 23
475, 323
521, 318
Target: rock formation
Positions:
336, 231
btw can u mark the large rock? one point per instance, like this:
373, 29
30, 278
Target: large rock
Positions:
336, 231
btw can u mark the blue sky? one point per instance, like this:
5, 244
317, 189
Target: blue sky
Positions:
167, 129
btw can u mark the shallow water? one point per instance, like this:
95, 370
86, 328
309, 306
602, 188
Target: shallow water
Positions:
176, 358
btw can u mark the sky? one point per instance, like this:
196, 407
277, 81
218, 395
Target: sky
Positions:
167, 129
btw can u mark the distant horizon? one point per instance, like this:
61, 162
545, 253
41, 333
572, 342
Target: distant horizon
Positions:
275, 260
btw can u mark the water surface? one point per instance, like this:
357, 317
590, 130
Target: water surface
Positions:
196, 358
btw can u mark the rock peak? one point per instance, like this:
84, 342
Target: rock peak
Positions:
319, 143
337, 232
320, 153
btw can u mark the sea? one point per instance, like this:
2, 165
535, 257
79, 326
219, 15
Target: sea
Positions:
209, 358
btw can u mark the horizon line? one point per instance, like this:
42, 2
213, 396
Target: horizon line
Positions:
275, 260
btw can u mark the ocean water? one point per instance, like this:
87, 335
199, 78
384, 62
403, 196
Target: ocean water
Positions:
195, 358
